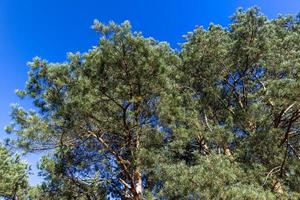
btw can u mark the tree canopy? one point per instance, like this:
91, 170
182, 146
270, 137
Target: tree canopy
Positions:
133, 118
13, 176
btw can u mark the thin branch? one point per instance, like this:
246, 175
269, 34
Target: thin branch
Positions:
270, 173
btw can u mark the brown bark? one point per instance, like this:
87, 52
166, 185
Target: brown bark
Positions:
203, 146
277, 188
138, 174
227, 152
138, 184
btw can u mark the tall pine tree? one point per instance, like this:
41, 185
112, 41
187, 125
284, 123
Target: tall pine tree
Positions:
134, 119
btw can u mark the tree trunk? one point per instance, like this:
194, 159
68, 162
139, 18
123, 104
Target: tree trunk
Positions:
137, 174
138, 184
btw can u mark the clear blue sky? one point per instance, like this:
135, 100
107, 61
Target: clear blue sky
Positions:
51, 28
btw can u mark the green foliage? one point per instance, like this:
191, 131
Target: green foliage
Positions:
13, 176
134, 119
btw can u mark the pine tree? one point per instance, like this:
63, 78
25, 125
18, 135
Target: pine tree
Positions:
237, 100
97, 109
13, 176
134, 119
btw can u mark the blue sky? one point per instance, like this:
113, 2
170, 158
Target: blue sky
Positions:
51, 28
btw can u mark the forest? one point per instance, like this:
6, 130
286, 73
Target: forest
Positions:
133, 118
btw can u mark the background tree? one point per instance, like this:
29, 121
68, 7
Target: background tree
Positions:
13, 176
236, 100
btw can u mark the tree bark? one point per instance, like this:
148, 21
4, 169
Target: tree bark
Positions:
227, 152
277, 188
138, 184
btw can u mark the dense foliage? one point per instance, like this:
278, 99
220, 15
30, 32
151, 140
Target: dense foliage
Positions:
134, 119
13, 176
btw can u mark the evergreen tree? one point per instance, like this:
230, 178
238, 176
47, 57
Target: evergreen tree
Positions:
13, 176
134, 119
97, 110
237, 95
